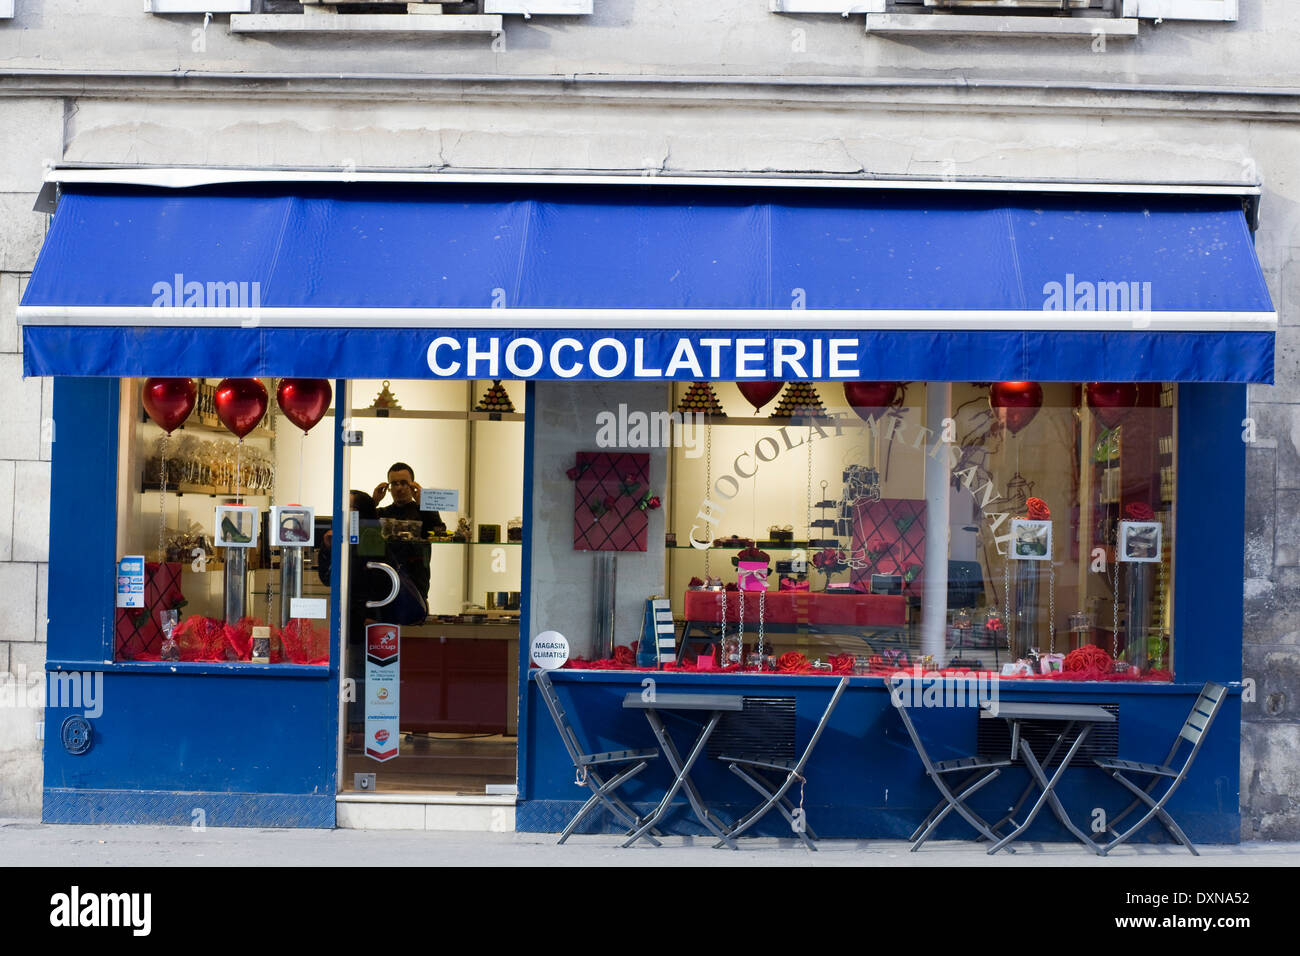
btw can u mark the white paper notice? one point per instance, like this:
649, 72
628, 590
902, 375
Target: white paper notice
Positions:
440, 499
314, 608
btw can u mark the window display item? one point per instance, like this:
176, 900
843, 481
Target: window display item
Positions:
138, 632
752, 567
495, 399
261, 653
657, 645
304, 401
759, 394
700, 399
292, 526
489, 533
888, 538
515, 529
236, 526
609, 489
800, 400
385, 400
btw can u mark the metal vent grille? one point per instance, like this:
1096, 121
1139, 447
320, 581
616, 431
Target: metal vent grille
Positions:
994, 739
765, 728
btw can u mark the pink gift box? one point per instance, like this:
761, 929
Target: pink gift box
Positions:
751, 575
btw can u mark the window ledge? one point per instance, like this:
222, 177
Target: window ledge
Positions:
364, 23
194, 668
929, 24
6, 9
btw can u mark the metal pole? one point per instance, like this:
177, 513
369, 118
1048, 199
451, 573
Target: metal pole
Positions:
603, 631
938, 475
236, 584
290, 581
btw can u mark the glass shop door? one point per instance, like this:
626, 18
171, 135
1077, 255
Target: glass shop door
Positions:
436, 485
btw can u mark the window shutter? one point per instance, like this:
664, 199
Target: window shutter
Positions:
198, 6
530, 7
844, 7
1181, 9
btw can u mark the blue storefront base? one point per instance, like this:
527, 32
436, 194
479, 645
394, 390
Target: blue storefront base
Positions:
865, 779
256, 745
180, 744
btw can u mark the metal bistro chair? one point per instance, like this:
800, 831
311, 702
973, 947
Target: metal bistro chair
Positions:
982, 770
1193, 733
749, 768
586, 765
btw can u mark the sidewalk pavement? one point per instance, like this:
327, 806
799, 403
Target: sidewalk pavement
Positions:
29, 843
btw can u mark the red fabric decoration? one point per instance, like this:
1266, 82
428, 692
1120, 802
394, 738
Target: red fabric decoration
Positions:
201, 639
303, 643
1018, 402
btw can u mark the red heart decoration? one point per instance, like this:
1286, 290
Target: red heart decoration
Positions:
759, 394
1111, 401
869, 399
169, 401
304, 401
1019, 402
241, 403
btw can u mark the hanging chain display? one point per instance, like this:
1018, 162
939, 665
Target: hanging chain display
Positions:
1114, 625
740, 625
762, 613
722, 638
807, 521
162, 501
1051, 607
1006, 597
708, 483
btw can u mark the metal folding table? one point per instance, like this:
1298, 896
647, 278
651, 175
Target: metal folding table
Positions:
715, 705
1070, 716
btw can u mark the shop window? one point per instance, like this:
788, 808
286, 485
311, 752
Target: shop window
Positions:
819, 500
221, 540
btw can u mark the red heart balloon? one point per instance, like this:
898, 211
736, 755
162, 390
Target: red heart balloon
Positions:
1019, 402
241, 403
759, 394
869, 399
169, 401
1111, 401
304, 401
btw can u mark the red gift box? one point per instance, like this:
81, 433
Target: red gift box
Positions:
137, 631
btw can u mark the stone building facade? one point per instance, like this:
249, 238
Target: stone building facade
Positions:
1110, 91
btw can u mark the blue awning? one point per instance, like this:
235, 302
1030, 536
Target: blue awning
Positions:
673, 282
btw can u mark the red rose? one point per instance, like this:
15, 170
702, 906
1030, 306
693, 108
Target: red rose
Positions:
1139, 511
788, 663
1038, 510
573, 473
654, 503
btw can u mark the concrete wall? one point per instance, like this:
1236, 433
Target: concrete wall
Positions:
632, 37
660, 87
563, 589
30, 131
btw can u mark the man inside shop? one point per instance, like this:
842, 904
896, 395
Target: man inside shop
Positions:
405, 492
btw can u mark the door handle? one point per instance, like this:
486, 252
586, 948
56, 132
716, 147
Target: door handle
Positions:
397, 584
